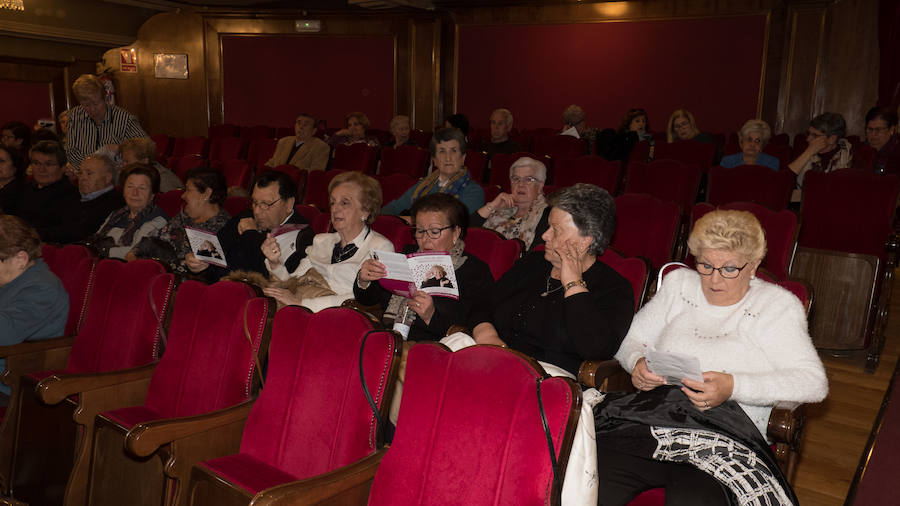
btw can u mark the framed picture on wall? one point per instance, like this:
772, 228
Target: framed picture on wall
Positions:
170, 65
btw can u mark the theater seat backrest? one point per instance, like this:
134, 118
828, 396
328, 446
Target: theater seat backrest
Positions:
128, 307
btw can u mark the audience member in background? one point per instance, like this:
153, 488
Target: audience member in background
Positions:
575, 125
458, 121
143, 150
448, 155
751, 340
62, 127
682, 127
521, 214
94, 124
34, 304
634, 128
50, 202
333, 260
400, 132
501, 124
44, 134
563, 306
355, 132
12, 178
98, 196
881, 137
273, 198
139, 218
753, 137
16, 134
204, 192
439, 224
303, 149
827, 150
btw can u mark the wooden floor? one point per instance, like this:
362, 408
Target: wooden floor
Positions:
837, 429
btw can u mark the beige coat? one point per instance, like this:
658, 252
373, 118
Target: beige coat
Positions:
312, 155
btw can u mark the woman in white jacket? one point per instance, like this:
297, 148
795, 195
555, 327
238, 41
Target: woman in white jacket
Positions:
355, 200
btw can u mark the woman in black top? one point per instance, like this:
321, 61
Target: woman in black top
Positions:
439, 224
563, 306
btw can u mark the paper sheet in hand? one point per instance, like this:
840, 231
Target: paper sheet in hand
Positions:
674, 366
286, 237
431, 272
205, 246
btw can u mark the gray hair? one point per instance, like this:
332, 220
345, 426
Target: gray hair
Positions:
756, 125
109, 163
830, 123
540, 170
573, 115
445, 135
396, 121
593, 211
507, 116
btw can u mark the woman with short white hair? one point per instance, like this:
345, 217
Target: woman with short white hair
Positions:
753, 137
522, 213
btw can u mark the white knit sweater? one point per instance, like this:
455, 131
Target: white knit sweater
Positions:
762, 341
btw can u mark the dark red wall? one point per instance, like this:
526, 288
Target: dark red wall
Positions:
708, 66
24, 101
268, 80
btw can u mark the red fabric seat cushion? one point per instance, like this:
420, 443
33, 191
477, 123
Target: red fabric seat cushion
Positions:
248, 472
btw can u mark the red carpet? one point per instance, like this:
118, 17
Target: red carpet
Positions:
876, 480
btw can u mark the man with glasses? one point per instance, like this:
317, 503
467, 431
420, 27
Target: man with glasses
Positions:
272, 206
881, 123
94, 124
50, 203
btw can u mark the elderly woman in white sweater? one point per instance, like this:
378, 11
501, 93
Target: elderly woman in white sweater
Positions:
749, 336
355, 200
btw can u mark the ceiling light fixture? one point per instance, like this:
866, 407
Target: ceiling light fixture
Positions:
16, 5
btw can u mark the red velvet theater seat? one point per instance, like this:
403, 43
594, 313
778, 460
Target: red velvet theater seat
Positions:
74, 266
360, 157
312, 417
750, 183
143, 454
122, 327
493, 249
469, 432
409, 160
646, 227
588, 169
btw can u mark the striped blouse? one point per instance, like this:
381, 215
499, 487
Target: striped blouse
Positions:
85, 137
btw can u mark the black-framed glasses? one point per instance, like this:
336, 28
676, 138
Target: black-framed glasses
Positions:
726, 271
434, 232
265, 206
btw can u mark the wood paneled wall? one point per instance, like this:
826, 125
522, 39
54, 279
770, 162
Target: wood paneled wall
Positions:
821, 55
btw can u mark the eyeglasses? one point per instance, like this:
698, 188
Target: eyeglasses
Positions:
45, 165
814, 135
876, 130
434, 233
683, 124
524, 180
726, 271
265, 206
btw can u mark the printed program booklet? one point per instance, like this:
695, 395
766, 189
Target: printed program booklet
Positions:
205, 246
674, 366
286, 237
430, 271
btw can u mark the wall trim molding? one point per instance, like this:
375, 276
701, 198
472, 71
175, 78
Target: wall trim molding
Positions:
59, 34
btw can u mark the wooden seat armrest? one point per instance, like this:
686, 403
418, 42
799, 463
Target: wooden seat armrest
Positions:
347, 485
786, 422
892, 247
592, 372
374, 312
53, 389
145, 438
36, 346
